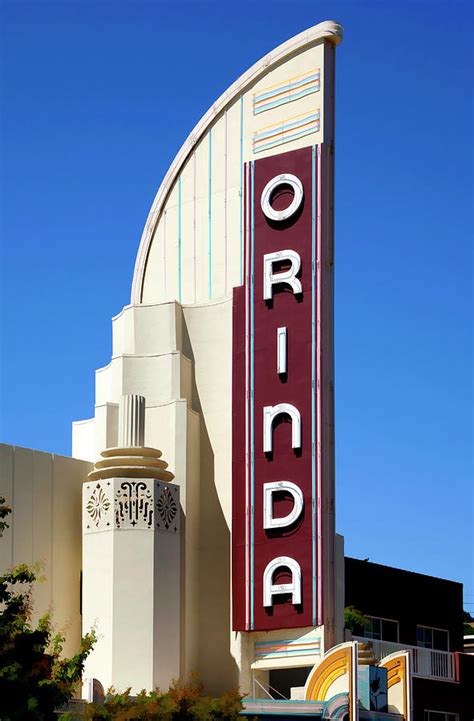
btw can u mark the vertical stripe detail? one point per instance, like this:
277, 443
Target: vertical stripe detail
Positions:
194, 225
247, 399
313, 388
225, 202
179, 239
252, 439
241, 183
319, 389
209, 230
164, 253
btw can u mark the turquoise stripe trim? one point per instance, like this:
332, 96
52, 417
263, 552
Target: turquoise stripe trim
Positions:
287, 86
284, 127
283, 654
287, 138
288, 642
287, 99
252, 414
179, 239
313, 361
241, 188
286, 701
259, 713
209, 230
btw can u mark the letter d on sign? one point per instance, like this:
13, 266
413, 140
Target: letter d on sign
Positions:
268, 490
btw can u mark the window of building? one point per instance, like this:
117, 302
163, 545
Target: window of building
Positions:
381, 629
281, 680
440, 716
436, 638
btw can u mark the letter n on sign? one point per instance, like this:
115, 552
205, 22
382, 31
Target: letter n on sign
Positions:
282, 414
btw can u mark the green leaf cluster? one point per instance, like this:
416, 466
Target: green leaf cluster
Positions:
34, 678
182, 702
4, 511
354, 620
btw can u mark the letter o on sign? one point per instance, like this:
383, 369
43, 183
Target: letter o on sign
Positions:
272, 185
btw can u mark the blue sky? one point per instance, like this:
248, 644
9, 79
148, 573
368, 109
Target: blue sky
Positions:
97, 99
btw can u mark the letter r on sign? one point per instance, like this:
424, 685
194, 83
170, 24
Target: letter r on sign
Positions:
285, 276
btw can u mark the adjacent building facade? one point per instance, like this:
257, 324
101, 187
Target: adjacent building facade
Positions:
194, 527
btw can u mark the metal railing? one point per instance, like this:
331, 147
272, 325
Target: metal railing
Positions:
268, 690
427, 662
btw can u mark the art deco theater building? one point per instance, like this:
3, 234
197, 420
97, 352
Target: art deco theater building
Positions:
194, 526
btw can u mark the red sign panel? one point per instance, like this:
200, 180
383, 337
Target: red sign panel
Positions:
280, 554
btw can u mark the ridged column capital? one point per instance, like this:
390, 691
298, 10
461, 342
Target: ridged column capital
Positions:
131, 423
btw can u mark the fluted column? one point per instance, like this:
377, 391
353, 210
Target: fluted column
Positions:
131, 424
131, 561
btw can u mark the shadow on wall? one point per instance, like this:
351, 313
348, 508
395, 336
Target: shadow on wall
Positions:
218, 670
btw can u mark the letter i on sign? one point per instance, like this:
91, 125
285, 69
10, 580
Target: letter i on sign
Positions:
281, 350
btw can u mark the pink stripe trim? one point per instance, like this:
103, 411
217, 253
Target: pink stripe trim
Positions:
247, 399
318, 397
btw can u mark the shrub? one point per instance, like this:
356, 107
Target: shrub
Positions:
34, 679
354, 620
182, 702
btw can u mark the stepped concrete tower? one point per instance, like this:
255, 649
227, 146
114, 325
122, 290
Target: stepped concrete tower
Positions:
131, 560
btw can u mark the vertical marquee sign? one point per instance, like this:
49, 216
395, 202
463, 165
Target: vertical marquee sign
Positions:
283, 505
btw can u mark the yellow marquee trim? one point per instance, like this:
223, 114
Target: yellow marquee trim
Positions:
331, 667
332, 676
398, 672
394, 671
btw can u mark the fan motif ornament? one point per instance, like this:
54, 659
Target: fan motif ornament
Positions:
167, 509
98, 505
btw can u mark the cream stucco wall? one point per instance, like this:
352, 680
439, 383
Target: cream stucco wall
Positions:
148, 358
174, 357
44, 492
131, 588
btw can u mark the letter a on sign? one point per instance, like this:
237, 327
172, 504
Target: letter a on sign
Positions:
294, 587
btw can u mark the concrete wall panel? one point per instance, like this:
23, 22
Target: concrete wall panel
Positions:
44, 491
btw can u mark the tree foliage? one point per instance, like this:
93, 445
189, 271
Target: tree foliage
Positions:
34, 678
179, 703
468, 625
4, 511
354, 620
